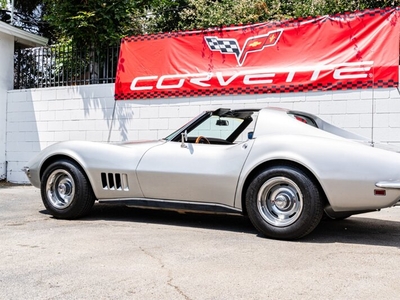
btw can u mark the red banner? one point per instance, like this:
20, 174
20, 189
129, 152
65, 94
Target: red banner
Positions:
347, 51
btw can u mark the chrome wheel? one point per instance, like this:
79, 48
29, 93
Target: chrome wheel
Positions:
60, 189
280, 201
284, 203
66, 192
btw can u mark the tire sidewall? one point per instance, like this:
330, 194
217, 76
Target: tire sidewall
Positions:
82, 197
310, 214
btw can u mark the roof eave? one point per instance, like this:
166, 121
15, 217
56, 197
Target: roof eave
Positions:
23, 37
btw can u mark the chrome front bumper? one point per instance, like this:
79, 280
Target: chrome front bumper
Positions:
27, 171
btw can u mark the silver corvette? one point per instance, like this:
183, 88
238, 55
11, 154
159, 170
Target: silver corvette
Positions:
283, 169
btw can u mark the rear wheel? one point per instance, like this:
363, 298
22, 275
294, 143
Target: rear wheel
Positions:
65, 190
283, 203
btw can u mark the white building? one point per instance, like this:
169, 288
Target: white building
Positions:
10, 35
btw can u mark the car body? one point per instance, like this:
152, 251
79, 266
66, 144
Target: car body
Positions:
282, 168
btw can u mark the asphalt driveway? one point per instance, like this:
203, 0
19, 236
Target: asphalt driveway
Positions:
126, 253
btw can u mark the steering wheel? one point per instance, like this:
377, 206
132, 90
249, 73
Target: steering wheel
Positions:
202, 140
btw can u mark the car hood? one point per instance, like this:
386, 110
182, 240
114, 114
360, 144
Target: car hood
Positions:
133, 144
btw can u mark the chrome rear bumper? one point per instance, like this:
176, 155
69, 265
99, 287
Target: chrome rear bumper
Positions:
388, 184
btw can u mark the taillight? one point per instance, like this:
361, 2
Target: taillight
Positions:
379, 192
301, 119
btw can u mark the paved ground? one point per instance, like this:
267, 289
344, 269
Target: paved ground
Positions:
126, 253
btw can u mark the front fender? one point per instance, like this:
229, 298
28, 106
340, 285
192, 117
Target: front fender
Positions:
96, 159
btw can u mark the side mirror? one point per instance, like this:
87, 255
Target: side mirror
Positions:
250, 135
184, 139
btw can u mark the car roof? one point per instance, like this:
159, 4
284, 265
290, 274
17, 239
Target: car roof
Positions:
235, 113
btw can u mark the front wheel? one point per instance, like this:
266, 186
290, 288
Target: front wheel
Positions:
283, 203
65, 191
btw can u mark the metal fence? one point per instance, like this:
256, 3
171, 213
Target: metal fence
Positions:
64, 66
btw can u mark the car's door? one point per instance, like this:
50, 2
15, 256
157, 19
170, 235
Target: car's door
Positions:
196, 172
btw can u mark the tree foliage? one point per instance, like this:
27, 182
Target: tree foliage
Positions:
205, 13
28, 15
27, 6
160, 15
303, 8
104, 22
208, 13
90, 22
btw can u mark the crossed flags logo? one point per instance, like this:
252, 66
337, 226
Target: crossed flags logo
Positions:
252, 44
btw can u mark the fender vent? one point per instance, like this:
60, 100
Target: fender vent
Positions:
115, 182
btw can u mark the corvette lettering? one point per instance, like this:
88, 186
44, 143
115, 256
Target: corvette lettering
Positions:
352, 70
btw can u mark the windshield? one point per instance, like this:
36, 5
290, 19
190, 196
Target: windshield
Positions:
176, 133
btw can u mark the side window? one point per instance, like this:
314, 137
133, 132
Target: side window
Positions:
244, 136
216, 127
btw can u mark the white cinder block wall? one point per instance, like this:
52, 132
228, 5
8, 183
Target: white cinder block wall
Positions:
37, 118
6, 83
